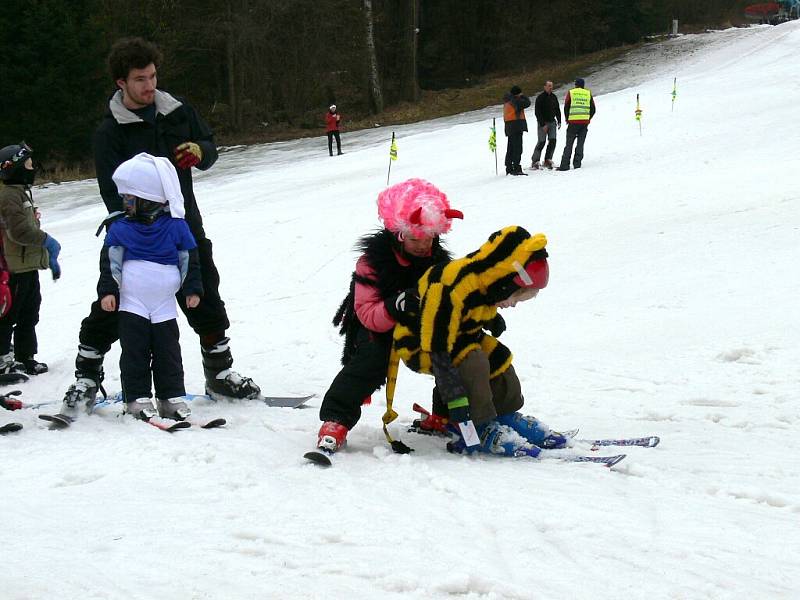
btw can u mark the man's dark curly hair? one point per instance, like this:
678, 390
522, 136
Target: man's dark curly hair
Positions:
131, 53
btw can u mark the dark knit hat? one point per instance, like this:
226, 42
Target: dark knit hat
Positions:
580, 82
516, 90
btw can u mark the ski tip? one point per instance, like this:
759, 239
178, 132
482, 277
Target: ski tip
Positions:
214, 423
318, 457
58, 421
654, 441
10, 428
614, 460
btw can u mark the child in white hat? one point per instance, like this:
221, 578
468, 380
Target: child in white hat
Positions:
147, 258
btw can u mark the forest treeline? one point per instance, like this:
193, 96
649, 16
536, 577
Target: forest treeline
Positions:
262, 65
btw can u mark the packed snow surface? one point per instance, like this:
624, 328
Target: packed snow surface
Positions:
671, 311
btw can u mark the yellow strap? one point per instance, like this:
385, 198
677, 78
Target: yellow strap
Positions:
391, 382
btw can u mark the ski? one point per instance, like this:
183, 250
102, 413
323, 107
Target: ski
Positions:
645, 442
320, 457
57, 421
10, 428
9, 378
274, 401
166, 424
608, 461
212, 424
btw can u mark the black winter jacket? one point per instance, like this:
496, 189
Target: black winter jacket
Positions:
547, 109
122, 135
519, 102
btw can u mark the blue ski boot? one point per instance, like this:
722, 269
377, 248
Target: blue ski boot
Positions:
533, 430
497, 438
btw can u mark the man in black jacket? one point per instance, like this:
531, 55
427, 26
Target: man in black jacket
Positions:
548, 119
142, 118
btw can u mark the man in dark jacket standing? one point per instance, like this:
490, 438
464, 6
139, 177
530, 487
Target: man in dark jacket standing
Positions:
142, 118
578, 111
514, 105
548, 119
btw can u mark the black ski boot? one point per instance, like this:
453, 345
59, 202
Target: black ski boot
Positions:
32, 366
88, 380
11, 370
222, 382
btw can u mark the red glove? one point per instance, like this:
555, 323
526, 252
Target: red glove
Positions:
188, 154
5, 294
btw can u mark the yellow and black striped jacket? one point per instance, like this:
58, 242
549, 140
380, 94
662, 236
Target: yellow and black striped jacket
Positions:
458, 298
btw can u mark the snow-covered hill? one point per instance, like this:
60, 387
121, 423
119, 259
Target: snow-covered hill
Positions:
671, 310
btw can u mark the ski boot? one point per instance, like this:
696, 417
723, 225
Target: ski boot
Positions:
32, 366
499, 439
548, 164
534, 431
141, 408
429, 423
11, 370
221, 380
174, 408
331, 437
88, 381
535, 166
518, 171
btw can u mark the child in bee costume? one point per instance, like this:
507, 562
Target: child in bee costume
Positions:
473, 370
147, 258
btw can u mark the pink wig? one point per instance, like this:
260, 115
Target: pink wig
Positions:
416, 207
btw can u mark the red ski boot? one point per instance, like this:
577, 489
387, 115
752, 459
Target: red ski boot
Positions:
429, 423
332, 436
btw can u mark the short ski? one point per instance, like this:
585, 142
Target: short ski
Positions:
57, 421
10, 428
319, 457
166, 424
212, 424
608, 461
645, 442
274, 401
9, 378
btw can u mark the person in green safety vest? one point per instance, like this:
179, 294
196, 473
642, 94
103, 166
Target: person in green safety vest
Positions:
578, 111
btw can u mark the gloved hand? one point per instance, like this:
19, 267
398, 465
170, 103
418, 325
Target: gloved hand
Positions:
8, 401
404, 306
496, 326
53, 250
5, 294
188, 154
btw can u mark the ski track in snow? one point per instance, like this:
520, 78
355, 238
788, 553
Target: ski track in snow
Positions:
671, 311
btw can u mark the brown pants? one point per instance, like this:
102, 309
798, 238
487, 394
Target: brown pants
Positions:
489, 397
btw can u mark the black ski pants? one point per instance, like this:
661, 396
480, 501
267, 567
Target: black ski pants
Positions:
331, 135
360, 378
150, 349
99, 329
513, 151
575, 131
20, 321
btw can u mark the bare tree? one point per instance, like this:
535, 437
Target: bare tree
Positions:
374, 76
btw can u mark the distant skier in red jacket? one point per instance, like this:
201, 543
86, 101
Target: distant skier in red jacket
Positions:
332, 120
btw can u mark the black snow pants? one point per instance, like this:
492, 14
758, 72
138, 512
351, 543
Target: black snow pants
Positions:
331, 135
513, 152
150, 349
20, 321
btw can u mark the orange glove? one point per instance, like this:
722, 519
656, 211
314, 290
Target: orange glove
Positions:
5, 294
188, 154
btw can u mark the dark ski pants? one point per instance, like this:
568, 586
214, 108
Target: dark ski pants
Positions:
150, 348
543, 136
513, 151
331, 135
575, 131
20, 321
99, 329
358, 379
